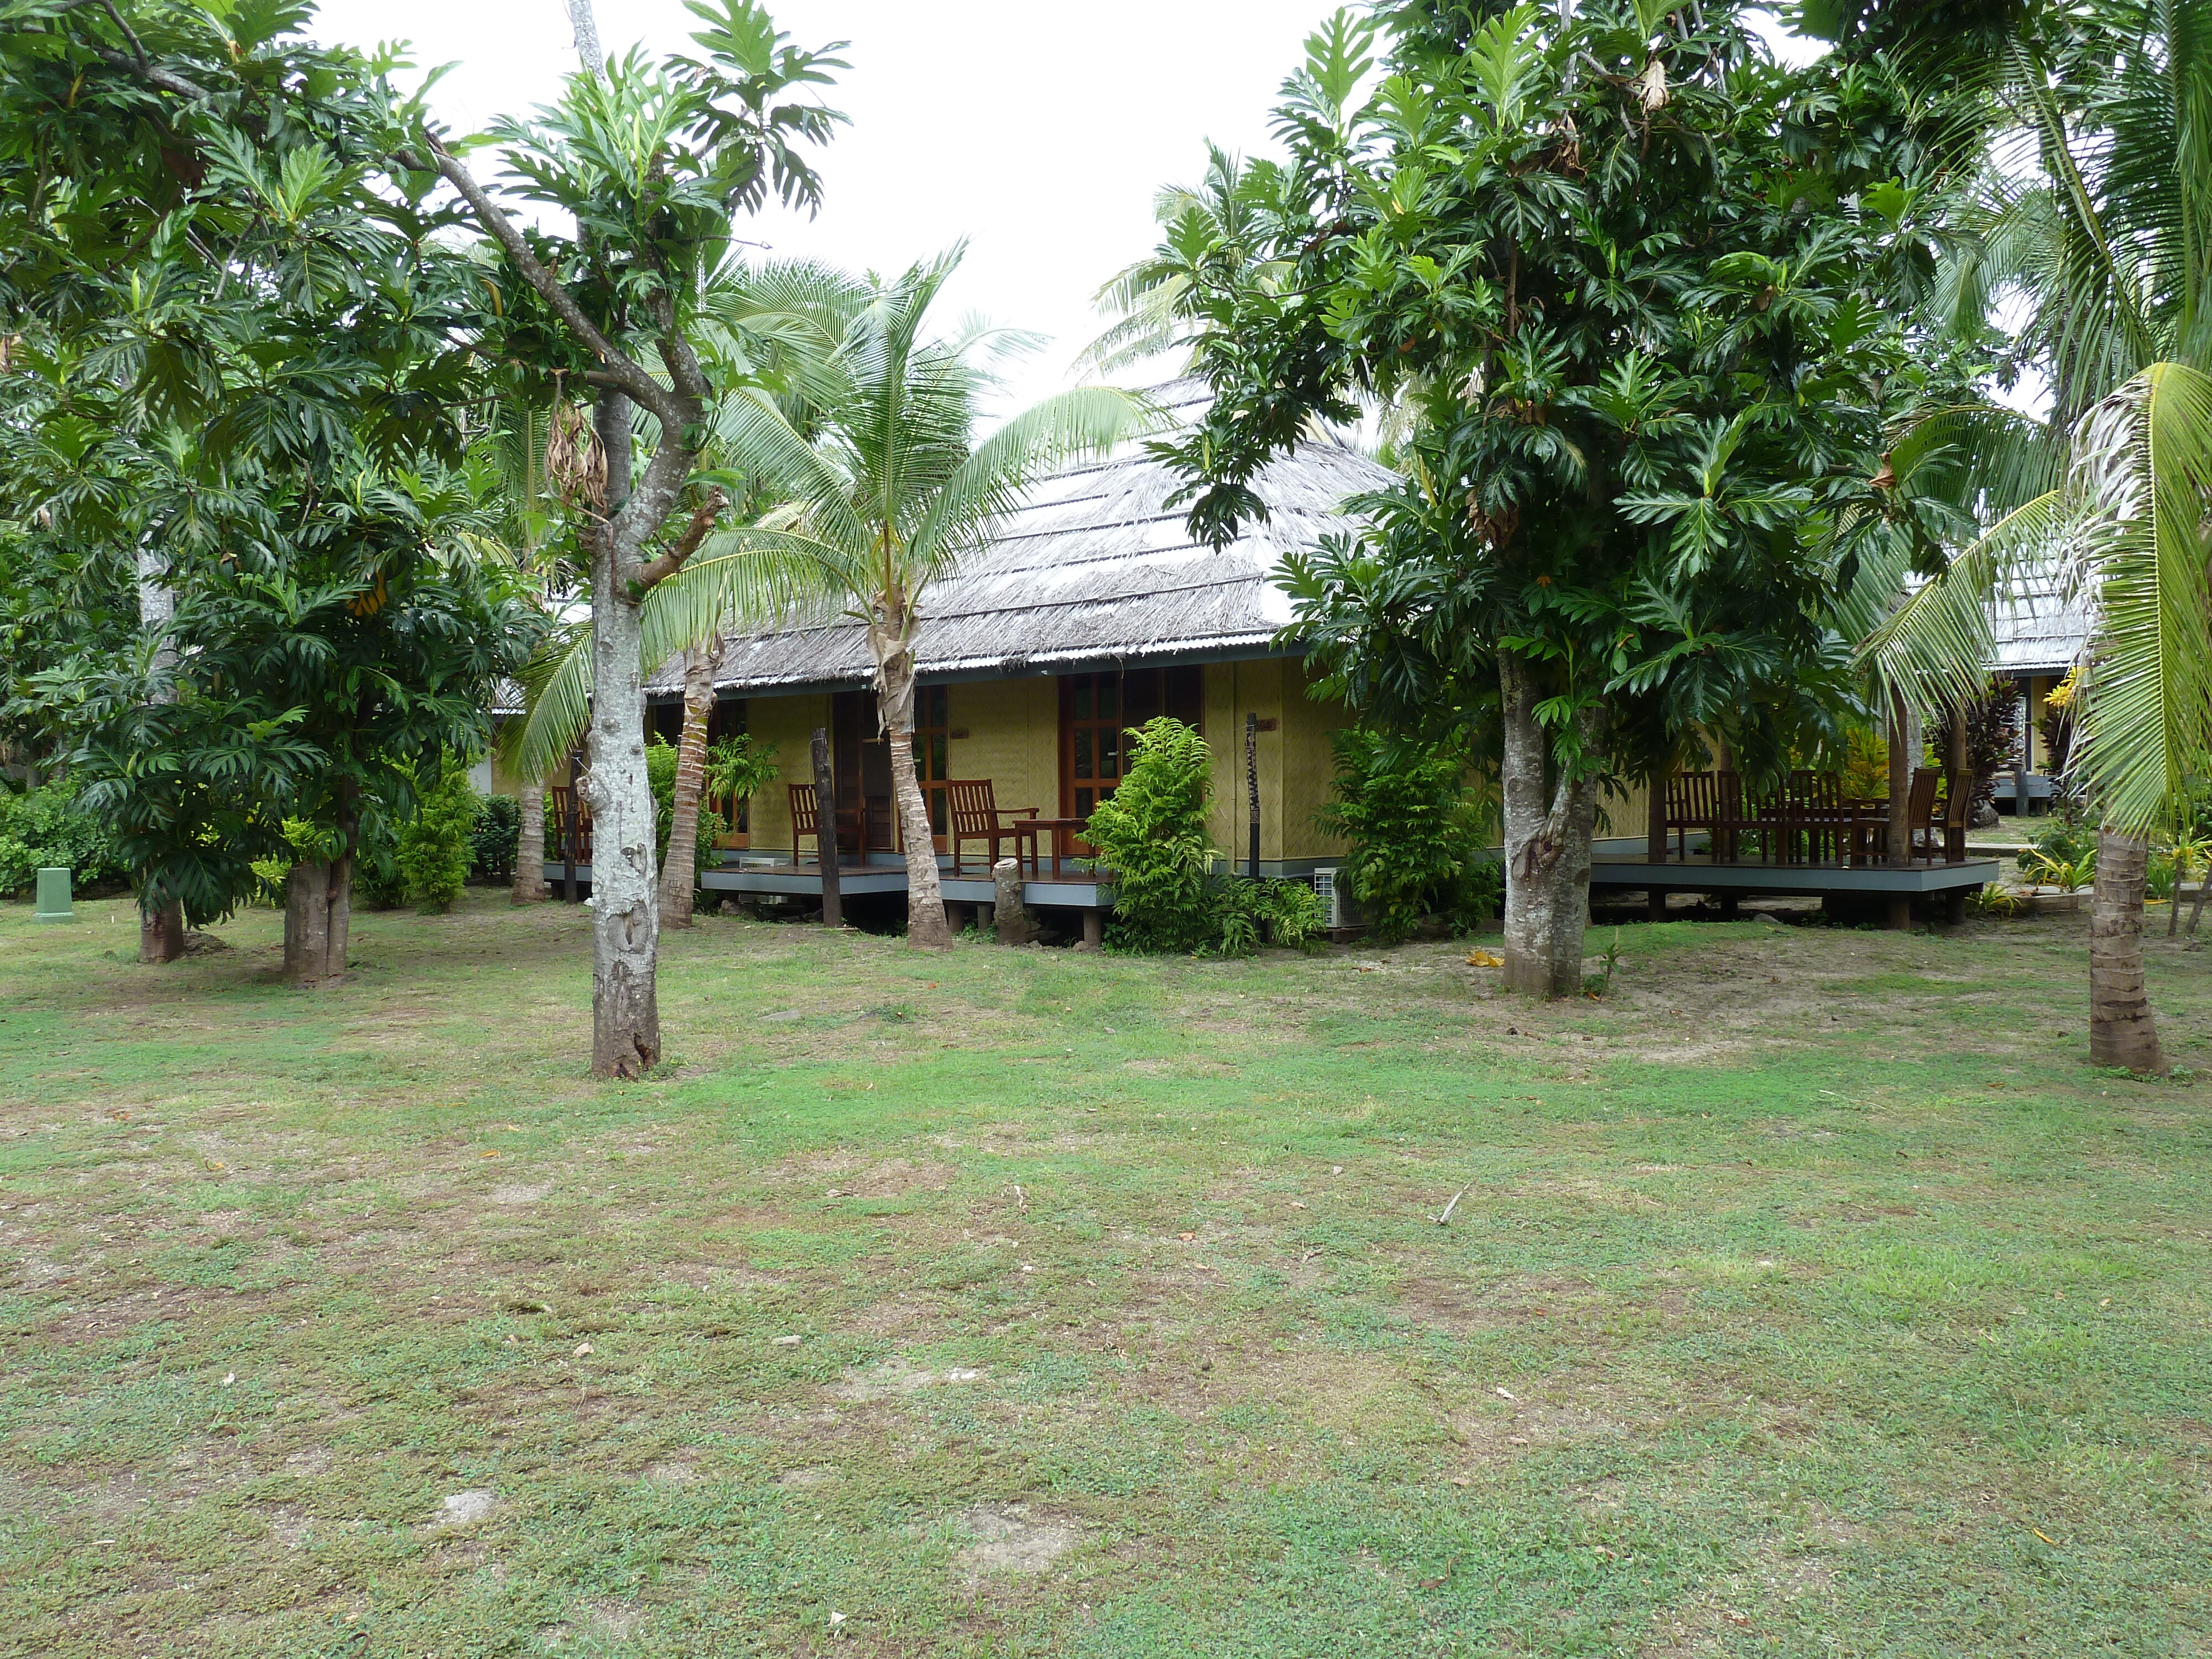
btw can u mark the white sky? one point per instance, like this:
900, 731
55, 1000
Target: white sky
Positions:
1038, 129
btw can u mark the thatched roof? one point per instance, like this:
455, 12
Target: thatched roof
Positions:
1095, 570
2040, 630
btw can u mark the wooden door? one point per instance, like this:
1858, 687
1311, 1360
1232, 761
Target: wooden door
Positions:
863, 768
932, 757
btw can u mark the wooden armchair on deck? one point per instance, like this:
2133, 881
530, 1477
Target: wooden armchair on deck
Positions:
806, 820
977, 815
1951, 821
1921, 823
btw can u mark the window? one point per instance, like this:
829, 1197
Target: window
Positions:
1097, 711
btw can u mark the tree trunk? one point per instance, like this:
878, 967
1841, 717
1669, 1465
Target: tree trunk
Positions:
2121, 1031
530, 845
680, 880
926, 926
1548, 836
317, 917
1901, 751
161, 932
626, 919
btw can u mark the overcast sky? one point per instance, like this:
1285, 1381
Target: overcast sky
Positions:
1038, 131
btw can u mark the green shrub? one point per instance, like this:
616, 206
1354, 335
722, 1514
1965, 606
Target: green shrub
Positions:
1415, 833
494, 838
47, 828
1168, 897
2058, 843
1152, 830
433, 856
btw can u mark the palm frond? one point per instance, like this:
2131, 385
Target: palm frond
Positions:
1936, 643
556, 690
2143, 473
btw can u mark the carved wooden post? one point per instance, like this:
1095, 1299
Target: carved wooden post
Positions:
825, 831
1252, 788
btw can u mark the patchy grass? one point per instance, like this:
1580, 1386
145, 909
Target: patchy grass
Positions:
1810, 1296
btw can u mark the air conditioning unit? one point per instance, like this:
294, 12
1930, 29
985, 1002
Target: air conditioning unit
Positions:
1332, 902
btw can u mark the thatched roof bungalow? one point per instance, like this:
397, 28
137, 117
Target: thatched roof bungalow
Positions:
1090, 611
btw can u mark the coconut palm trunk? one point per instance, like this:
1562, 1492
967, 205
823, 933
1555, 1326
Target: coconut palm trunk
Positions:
2121, 1030
679, 879
530, 845
926, 926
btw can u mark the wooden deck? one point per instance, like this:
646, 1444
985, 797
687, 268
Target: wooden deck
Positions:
883, 874
1894, 887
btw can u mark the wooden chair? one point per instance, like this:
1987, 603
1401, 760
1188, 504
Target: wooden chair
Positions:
806, 820
976, 815
1704, 802
1958, 810
1920, 824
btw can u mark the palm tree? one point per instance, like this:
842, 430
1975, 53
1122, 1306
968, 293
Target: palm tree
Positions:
867, 436
2107, 242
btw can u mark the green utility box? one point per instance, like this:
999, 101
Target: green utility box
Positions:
54, 898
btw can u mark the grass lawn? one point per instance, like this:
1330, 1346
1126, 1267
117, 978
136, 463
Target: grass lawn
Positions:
1812, 1296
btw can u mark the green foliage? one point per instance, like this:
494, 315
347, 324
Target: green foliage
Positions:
1152, 831
434, 850
494, 838
1615, 276
1415, 833
1598, 985
2059, 845
241, 348
52, 828
740, 767
1168, 897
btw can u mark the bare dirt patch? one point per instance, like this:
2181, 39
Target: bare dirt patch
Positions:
1009, 1538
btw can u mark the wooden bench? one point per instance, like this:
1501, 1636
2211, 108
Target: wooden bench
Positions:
806, 820
976, 815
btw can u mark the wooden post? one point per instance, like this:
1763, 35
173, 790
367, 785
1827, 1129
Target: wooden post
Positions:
1014, 922
1655, 838
1252, 787
1094, 930
568, 836
825, 831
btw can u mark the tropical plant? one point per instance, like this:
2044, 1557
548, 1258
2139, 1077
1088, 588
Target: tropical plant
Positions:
1151, 833
2091, 222
1641, 392
239, 389
496, 839
741, 766
433, 854
885, 484
1415, 834
651, 163
2067, 874
49, 827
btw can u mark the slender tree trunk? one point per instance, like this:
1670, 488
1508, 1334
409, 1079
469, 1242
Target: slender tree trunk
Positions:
679, 881
2121, 1031
530, 844
1902, 749
160, 928
926, 926
626, 919
1549, 837
318, 917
